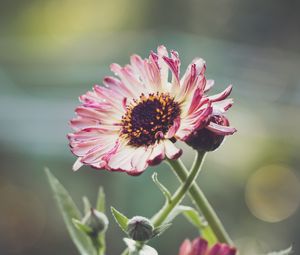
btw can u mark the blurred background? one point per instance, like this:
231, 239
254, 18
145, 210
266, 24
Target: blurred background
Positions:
53, 51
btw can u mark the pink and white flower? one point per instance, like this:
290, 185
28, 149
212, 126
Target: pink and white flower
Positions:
199, 246
133, 121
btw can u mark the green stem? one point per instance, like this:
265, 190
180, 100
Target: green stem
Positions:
162, 215
102, 246
201, 202
99, 244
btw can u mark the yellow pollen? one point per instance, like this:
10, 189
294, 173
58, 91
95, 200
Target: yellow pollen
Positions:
148, 115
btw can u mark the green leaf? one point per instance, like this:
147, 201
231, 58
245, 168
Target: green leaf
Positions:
193, 217
101, 201
180, 209
160, 229
162, 188
82, 227
200, 223
208, 234
86, 205
287, 251
69, 211
100, 206
120, 218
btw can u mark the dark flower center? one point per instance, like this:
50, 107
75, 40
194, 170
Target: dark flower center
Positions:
149, 117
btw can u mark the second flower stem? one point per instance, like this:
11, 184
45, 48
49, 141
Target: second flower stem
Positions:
201, 202
163, 214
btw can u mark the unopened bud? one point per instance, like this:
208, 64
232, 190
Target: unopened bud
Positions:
140, 228
97, 221
206, 140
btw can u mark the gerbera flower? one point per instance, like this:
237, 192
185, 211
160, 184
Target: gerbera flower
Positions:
199, 246
134, 120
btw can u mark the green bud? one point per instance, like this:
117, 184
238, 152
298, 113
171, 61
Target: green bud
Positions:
97, 221
140, 228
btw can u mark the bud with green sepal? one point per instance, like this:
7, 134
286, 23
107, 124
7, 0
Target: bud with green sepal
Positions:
93, 223
138, 228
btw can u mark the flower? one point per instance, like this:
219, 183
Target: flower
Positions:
199, 246
133, 121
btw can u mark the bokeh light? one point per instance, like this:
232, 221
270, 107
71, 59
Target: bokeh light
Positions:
273, 193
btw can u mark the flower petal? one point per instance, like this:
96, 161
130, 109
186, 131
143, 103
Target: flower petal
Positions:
221, 95
133, 86
121, 160
220, 130
174, 64
209, 85
157, 154
77, 164
173, 129
200, 246
192, 79
221, 107
172, 152
129, 159
185, 248
140, 159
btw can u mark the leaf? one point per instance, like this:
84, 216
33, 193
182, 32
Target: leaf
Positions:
120, 218
200, 223
144, 250
100, 206
160, 229
180, 209
70, 211
82, 227
193, 217
287, 251
208, 234
162, 188
86, 205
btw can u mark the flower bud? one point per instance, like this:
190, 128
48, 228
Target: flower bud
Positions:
140, 228
97, 221
206, 140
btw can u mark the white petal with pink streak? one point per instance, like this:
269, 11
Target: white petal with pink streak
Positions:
172, 152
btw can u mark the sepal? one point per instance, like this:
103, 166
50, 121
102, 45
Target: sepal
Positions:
160, 229
96, 221
162, 188
120, 218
